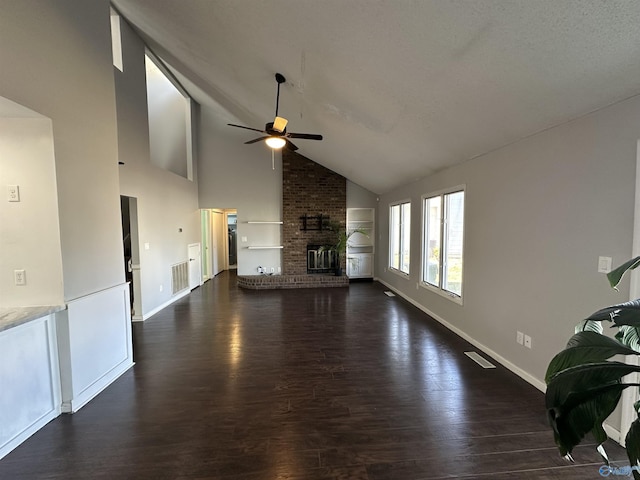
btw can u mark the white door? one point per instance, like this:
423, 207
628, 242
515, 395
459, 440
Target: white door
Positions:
205, 226
219, 234
195, 266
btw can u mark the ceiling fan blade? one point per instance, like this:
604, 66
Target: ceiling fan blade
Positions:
291, 146
255, 140
306, 136
246, 128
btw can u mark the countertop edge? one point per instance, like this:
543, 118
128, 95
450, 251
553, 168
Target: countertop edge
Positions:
13, 316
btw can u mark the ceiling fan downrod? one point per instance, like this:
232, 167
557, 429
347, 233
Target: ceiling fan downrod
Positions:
280, 79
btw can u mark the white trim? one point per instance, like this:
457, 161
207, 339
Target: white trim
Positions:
443, 293
526, 376
390, 229
148, 315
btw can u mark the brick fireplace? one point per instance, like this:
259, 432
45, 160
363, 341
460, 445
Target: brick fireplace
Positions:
309, 191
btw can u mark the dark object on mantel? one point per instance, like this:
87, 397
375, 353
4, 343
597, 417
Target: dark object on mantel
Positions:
315, 222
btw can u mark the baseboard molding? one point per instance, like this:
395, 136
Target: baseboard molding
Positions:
28, 431
526, 376
613, 433
96, 387
148, 315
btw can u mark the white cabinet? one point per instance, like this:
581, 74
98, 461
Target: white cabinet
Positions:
360, 265
360, 248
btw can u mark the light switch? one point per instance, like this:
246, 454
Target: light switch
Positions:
604, 264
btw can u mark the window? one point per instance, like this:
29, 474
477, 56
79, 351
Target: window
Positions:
399, 234
169, 114
443, 241
116, 40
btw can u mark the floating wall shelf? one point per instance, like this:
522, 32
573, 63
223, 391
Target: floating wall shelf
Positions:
269, 223
264, 247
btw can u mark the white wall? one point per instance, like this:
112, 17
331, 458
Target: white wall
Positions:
166, 202
234, 175
29, 229
538, 215
56, 59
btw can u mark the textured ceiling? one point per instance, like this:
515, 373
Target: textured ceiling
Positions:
399, 89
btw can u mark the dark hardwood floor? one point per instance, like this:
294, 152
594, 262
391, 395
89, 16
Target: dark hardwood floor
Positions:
302, 385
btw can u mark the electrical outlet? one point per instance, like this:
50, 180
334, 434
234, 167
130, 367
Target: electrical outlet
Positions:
13, 193
20, 277
273, 270
604, 264
520, 338
527, 341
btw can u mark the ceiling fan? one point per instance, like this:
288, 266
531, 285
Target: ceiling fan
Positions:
276, 131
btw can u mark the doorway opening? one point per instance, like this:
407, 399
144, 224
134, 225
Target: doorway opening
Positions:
232, 238
129, 214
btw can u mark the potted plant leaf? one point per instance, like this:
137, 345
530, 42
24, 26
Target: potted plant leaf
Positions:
340, 242
584, 385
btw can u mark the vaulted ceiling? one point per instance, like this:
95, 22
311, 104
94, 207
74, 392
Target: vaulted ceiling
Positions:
399, 89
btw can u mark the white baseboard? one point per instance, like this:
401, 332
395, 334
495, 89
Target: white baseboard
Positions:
28, 431
146, 316
613, 433
526, 376
84, 397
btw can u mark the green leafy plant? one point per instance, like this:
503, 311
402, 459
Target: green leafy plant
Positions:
341, 238
584, 385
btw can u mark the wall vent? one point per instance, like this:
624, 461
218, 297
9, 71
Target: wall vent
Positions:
179, 277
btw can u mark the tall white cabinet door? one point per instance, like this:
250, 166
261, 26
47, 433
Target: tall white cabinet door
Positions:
361, 245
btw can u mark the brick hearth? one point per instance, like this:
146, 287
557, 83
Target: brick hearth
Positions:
275, 282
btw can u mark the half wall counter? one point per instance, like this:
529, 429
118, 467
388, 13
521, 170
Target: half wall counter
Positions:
30, 392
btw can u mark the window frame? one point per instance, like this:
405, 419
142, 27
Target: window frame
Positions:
457, 298
401, 240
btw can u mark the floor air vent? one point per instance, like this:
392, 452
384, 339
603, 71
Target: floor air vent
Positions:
179, 277
483, 362
389, 293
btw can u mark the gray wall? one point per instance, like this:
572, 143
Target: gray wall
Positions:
56, 60
538, 215
30, 228
359, 197
166, 202
234, 175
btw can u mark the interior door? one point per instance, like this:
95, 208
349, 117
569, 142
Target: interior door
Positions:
195, 266
217, 244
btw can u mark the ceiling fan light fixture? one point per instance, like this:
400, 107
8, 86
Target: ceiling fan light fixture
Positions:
280, 124
275, 142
